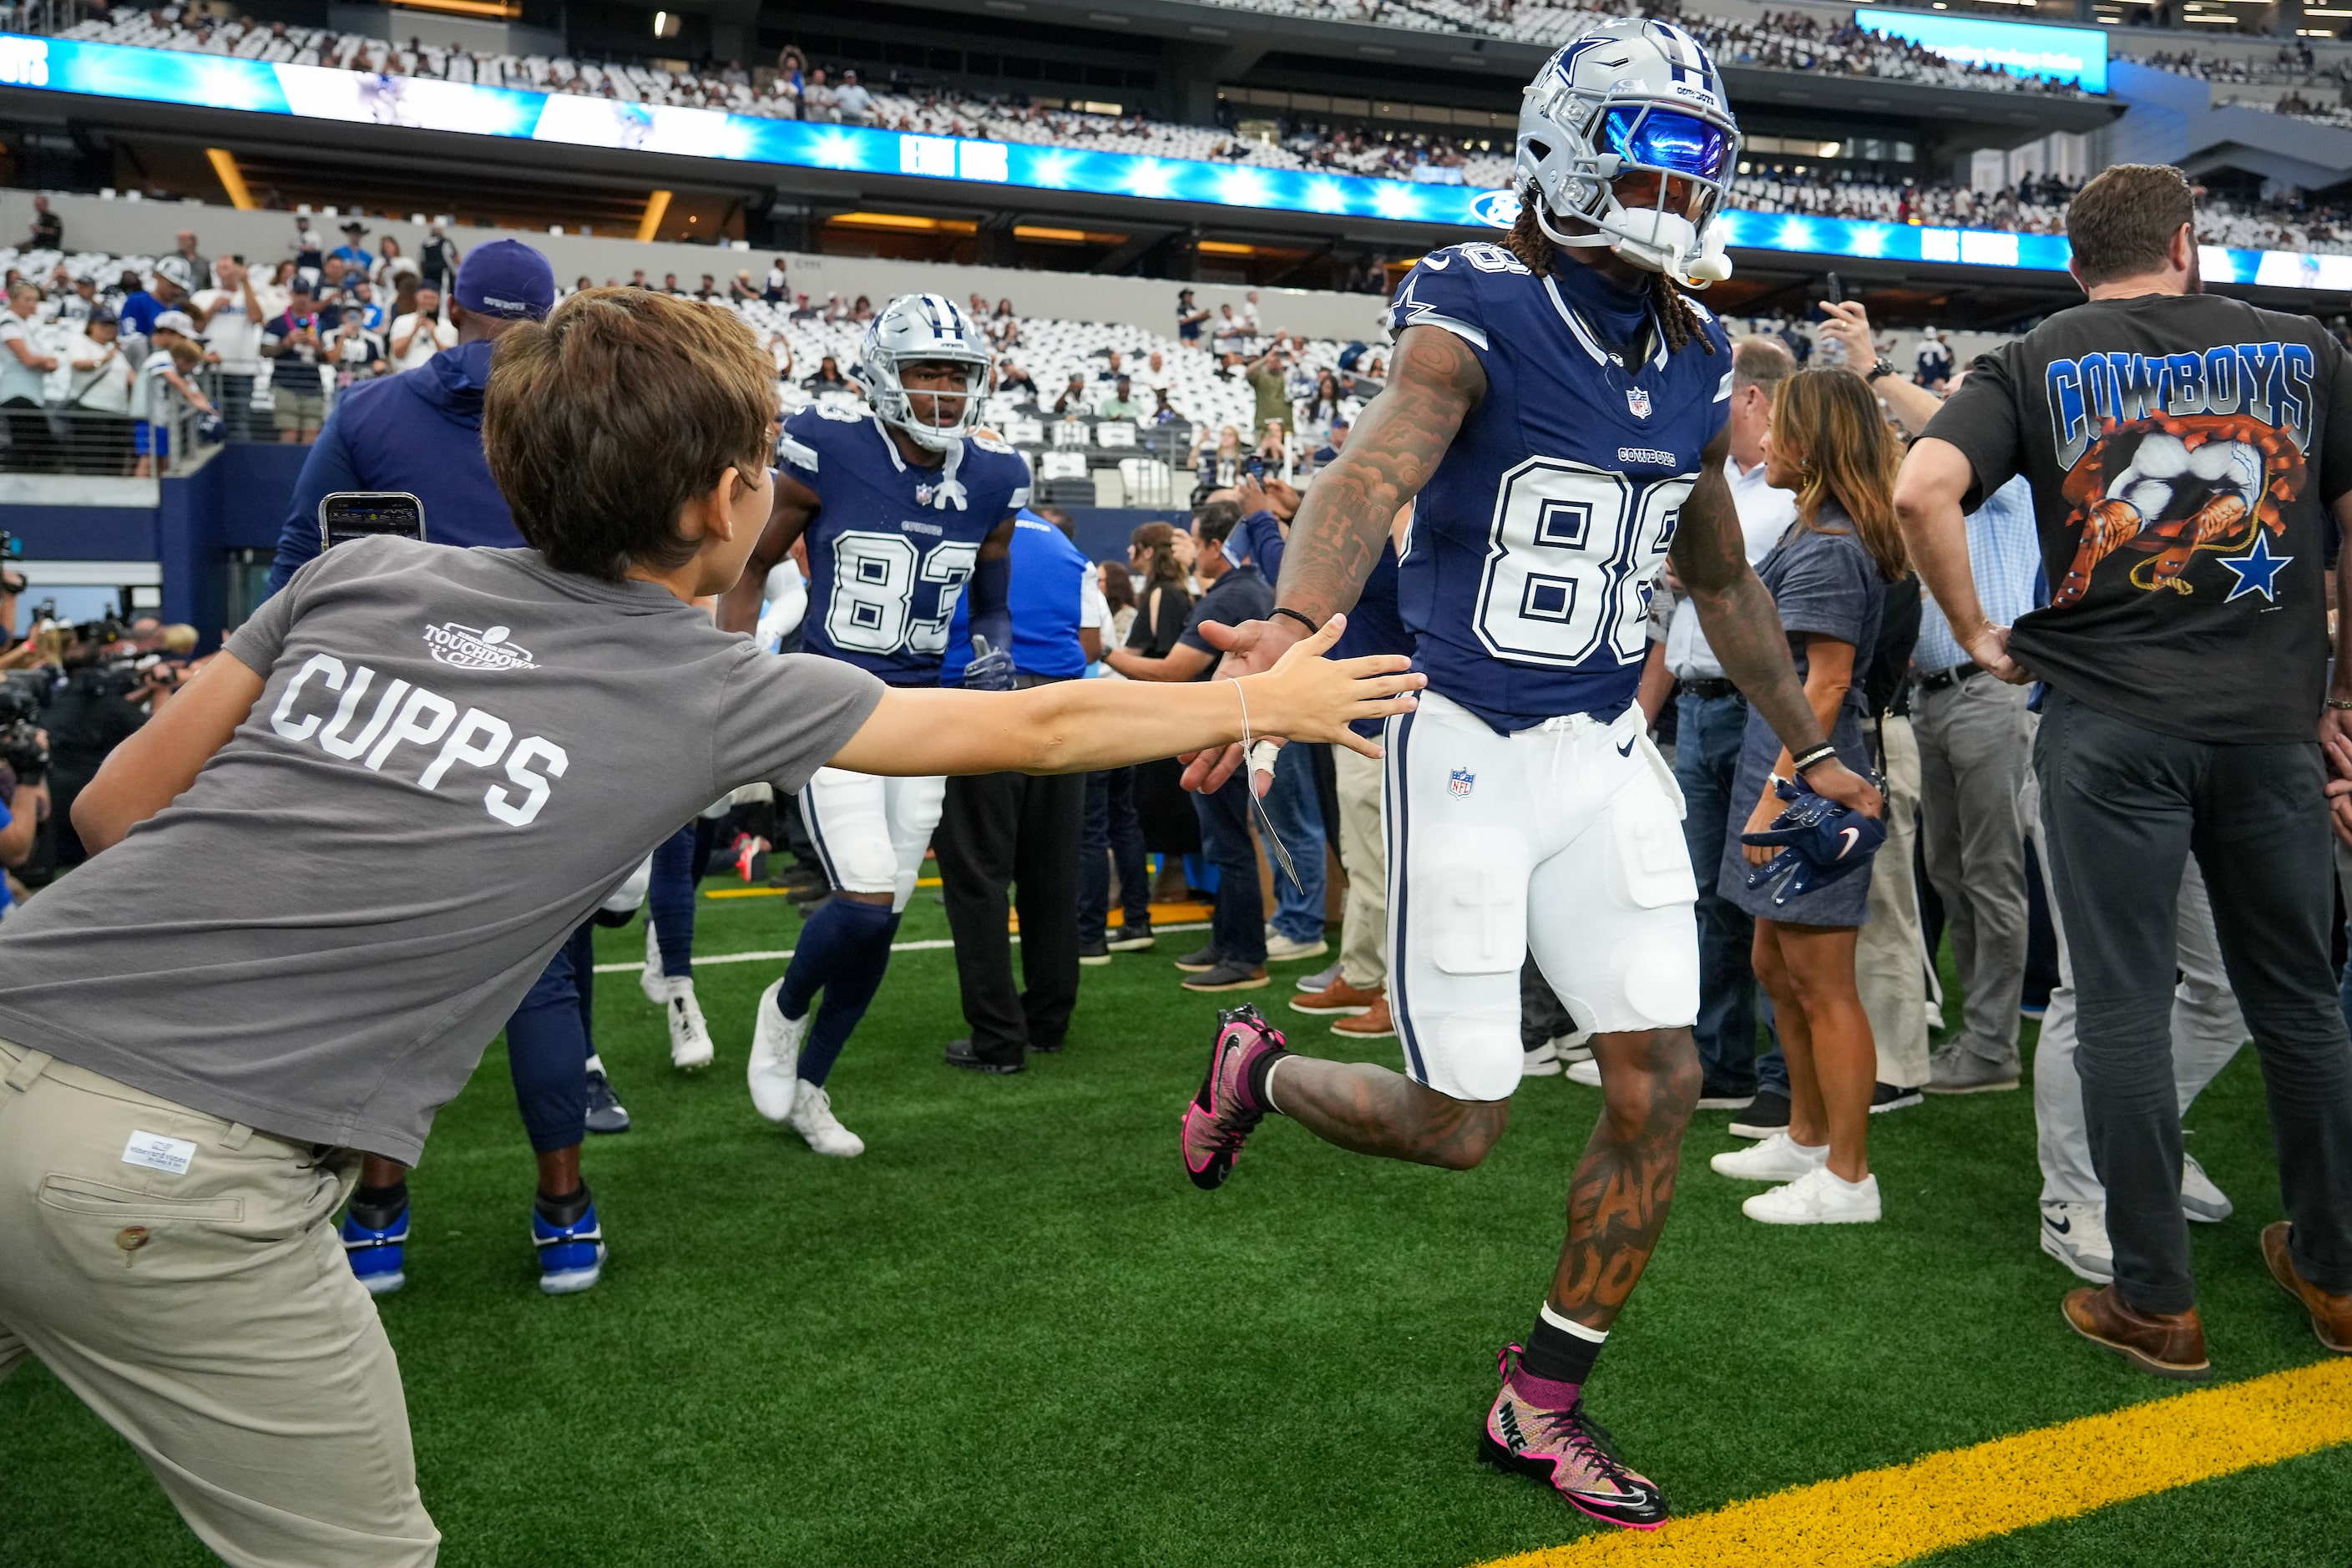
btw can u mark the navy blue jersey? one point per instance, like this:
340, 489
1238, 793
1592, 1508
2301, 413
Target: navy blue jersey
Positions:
1527, 577
892, 545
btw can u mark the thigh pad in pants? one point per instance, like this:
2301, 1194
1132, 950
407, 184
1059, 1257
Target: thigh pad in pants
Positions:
871, 832
1610, 918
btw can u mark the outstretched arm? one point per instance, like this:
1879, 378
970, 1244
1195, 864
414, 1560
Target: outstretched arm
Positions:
1935, 479
795, 504
1336, 539
1736, 611
1080, 726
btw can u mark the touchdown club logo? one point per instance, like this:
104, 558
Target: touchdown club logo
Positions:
467, 648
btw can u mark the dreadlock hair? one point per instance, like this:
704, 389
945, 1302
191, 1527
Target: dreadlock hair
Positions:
1536, 251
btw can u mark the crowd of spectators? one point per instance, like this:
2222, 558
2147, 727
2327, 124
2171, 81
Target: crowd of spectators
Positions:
2036, 205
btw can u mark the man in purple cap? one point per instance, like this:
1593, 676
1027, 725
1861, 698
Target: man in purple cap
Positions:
420, 431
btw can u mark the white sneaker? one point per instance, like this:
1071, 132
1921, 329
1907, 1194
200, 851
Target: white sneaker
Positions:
1778, 1158
813, 1120
774, 1072
650, 979
1280, 949
2201, 1199
691, 1049
1542, 1062
1575, 1047
1820, 1196
2076, 1235
1586, 1072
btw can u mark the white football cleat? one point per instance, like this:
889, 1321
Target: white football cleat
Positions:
1778, 1158
775, 1071
813, 1120
2201, 1199
2076, 1235
1586, 1072
650, 979
691, 1049
1818, 1197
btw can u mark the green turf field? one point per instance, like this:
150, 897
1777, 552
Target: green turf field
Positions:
1013, 1334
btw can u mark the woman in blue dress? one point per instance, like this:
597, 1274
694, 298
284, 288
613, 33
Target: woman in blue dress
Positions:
1828, 576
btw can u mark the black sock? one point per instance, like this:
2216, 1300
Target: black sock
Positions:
1257, 1072
1558, 1356
565, 1209
376, 1207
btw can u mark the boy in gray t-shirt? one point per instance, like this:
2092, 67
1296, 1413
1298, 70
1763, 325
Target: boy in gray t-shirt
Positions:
406, 781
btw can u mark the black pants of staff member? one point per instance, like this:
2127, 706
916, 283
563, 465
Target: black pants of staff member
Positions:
2122, 806
1010, 829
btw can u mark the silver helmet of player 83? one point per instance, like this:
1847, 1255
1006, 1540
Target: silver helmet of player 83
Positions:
914, 329
1626, 131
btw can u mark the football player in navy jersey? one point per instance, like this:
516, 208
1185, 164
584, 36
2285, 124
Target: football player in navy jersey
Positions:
1559, 408
905, 507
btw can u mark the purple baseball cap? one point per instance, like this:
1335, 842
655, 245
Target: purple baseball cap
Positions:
505, 279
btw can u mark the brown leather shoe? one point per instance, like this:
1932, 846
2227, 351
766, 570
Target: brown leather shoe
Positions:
2170, 1344
2331, 1316
1372, 1023
1337, 1000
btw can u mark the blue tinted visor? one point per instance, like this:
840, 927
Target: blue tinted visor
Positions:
1665, 139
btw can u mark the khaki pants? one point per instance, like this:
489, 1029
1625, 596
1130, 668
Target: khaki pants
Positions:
1363, 852
1890, 955
208, 1316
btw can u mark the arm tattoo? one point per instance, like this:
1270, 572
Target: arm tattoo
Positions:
1336, 539
1710, 556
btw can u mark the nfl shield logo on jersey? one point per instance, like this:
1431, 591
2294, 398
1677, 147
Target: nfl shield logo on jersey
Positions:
1460, 782
1637, 398
922, 495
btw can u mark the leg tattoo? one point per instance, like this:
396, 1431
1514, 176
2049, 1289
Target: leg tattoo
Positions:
1624, 1186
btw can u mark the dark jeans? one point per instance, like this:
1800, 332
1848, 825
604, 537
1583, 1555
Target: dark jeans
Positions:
1238, 929
1707, 736
1002, 830
1112, 833
2123, 805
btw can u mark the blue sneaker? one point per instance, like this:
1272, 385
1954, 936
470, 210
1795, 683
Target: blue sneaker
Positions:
570, 1256
378, 1257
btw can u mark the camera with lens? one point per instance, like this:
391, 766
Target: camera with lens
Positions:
20, 731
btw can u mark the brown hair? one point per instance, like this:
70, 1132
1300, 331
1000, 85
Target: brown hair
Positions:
1154, 542
1535, 249
604, 421
2122, 223
1828, 425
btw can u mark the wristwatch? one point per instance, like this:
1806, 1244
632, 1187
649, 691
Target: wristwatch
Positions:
1883, 367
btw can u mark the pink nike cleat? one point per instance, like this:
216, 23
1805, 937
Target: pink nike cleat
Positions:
1223, 1115
1538, 1428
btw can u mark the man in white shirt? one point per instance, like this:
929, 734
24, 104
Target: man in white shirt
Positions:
25, 366
231, 315
92, 387
422, 333
1711, 717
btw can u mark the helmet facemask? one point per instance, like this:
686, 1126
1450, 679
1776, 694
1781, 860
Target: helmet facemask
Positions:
1645, 171
924, 329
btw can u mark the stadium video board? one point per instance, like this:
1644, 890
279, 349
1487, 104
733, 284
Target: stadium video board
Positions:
2077, 55
318, 92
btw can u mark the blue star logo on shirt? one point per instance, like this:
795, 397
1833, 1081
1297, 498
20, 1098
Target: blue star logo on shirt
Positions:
2257, 569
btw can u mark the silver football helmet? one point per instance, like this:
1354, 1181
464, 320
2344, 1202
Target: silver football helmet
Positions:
914, 328
1631, 98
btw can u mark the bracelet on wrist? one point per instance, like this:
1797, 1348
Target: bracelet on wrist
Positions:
2340, 704
1300, 615
1819, 754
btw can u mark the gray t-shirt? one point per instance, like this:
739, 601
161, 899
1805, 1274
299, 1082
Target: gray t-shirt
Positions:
456, 756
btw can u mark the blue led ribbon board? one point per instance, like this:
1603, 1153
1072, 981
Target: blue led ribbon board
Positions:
317, 92
2077, 55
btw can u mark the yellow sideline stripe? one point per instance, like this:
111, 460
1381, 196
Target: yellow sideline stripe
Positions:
1880, 1518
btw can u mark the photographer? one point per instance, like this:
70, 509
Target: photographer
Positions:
94, 709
